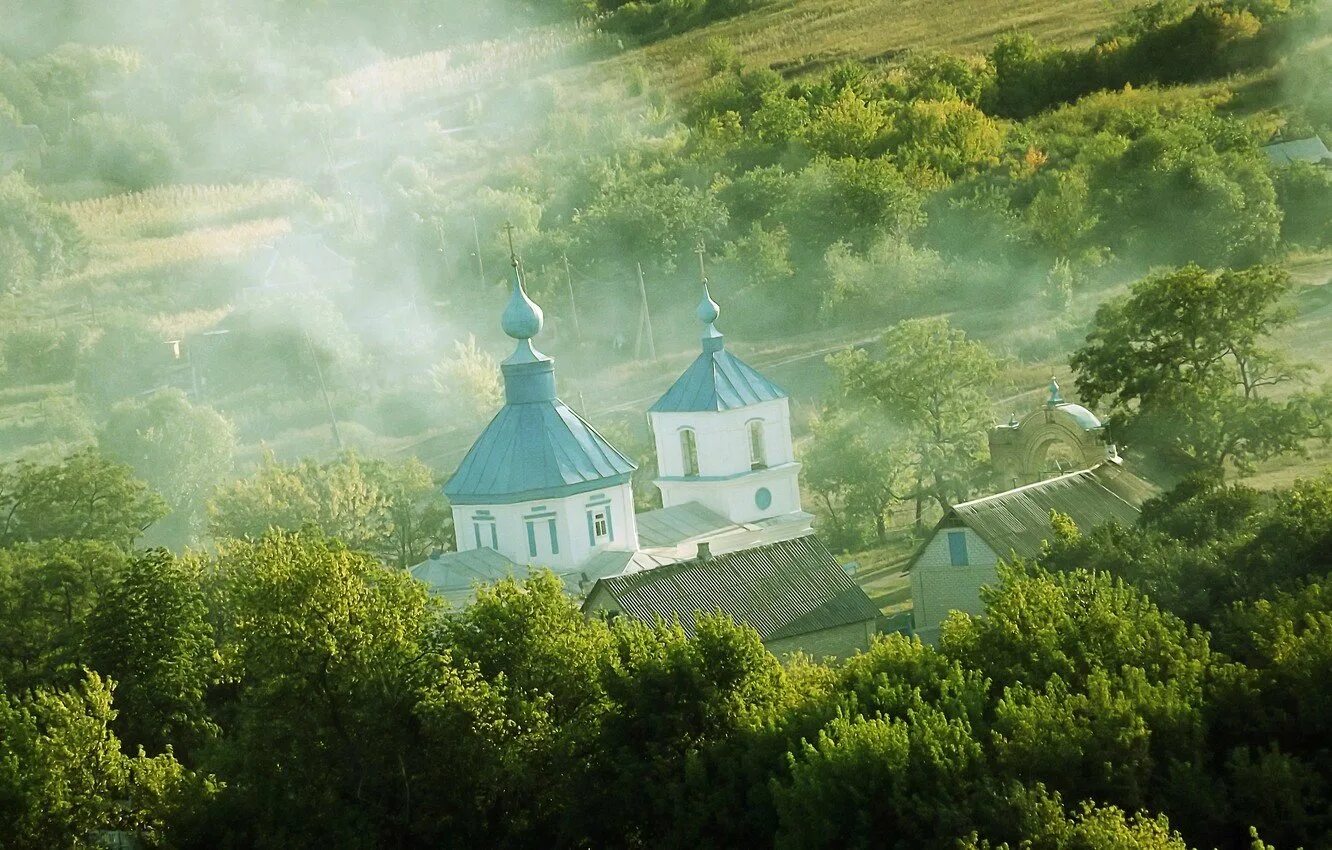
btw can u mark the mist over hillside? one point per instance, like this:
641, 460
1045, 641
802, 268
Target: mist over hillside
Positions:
936, 456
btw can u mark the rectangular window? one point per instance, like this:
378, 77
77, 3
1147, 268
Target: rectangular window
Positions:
600, 528
554, 540
957, 548
476, 527
531, 538
494, 537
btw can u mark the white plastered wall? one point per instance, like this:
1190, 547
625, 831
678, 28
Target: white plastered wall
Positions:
725, 481
571, 527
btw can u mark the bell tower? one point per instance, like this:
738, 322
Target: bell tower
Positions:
723, 434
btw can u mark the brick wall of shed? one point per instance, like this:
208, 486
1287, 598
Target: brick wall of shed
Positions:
938, 587
839, 641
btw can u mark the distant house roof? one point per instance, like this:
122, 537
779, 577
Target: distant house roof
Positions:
781, 590
717, 380
536, 450
1018, 520
1311, 149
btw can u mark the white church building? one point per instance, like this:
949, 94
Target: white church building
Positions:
541, 487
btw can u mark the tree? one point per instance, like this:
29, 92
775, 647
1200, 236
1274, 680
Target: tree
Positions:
37, 241
182, 449
47, 593
469, 383
857, 471
149, 632
84, 497
1184, 364
327, 653
930, 387
390, 509
64, 779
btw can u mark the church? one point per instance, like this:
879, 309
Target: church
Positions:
542, 486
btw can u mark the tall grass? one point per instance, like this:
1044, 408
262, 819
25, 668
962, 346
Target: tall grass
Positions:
469, 68
154, 253
165, 210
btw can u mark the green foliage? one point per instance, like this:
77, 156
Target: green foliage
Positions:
391, 509
121, 150
1184, 363
149, 633
47, 593
37, 240
64, 779
182, 449
653, 19
857, 473
328, 650
929, 384
84, 497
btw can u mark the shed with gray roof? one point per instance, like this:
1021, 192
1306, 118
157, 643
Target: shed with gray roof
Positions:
792, 592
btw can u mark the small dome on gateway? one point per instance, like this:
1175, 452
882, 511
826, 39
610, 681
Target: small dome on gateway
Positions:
1084, 417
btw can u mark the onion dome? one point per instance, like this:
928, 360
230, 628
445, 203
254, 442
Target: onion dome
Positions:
522, 318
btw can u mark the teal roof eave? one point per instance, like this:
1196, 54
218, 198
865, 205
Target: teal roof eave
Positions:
541, 493
535, 450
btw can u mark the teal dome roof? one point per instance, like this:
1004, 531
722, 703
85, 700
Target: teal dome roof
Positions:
536, 450
536, 447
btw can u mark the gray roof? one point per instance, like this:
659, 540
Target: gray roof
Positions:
780, 590
717, 380
1018, 520
1311, 149
454, 575
678, 523
536, 450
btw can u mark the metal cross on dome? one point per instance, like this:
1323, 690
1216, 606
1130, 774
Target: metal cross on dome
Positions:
701, 249
513, 254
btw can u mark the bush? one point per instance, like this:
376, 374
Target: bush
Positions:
121, 150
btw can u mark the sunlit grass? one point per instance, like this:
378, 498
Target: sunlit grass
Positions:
115, 259
164, 210
464, 69
800, 35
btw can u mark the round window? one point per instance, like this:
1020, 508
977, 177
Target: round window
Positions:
763, 498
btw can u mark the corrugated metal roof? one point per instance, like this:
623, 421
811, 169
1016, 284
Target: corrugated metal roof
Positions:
1018, 520
678, 523
1311, 149
717, 380
536, 450
780, 590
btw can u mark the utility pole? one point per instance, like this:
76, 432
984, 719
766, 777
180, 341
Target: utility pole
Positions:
323, 389
645, 321
573, 303
480, 264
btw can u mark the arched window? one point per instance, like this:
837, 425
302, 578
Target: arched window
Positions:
689, 451
758, 454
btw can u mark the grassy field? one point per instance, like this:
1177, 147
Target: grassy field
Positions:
795, 36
